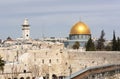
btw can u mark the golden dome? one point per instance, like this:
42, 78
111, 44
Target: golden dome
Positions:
80, 28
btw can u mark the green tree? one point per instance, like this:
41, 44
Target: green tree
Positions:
2, 63
108, 47
114, 42
101, 40
118, 44
90, 45
76, 45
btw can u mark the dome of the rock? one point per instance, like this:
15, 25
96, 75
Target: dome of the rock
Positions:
80, 28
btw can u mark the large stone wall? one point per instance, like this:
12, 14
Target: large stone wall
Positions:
59, 61
80, 60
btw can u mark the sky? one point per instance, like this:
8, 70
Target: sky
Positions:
54, 18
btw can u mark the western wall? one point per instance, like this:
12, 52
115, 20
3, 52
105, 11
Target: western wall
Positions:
54, 59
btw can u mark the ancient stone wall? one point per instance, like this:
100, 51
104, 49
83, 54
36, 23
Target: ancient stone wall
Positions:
61, 60
80, 60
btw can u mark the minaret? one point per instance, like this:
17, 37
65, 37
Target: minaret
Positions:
26, 30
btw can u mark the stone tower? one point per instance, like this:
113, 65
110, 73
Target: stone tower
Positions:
26, 30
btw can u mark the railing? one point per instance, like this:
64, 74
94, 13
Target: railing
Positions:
95, 71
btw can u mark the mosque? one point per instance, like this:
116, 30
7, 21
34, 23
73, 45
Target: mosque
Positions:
80, 32
52, 58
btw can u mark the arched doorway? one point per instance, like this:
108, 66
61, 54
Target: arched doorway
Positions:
33, 77
54, 76
22, 78
27, 77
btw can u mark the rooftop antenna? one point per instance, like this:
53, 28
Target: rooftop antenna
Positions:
43, 31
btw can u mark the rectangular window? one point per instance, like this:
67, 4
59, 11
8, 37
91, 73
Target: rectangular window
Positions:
82, 36
49, 60
42, 61
57, 60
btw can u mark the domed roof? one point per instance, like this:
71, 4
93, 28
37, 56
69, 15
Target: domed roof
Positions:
80, 28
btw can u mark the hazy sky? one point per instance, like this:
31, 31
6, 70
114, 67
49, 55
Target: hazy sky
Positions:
54, 18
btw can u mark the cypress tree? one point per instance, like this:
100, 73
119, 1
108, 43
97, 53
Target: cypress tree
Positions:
114, 42
90, 45
101, 40
118, 44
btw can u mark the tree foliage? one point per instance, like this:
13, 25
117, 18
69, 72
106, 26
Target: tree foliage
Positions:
118, 44
2, 63
90, 45
76, 45
114, 42
100, 42
108, 47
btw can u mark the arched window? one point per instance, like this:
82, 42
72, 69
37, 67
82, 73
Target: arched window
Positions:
81, 36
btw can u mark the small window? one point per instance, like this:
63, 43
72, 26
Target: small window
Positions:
66, 63
77, 36
46, 53
27, 35
81, 36
49, 60
57, 60
43, 61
